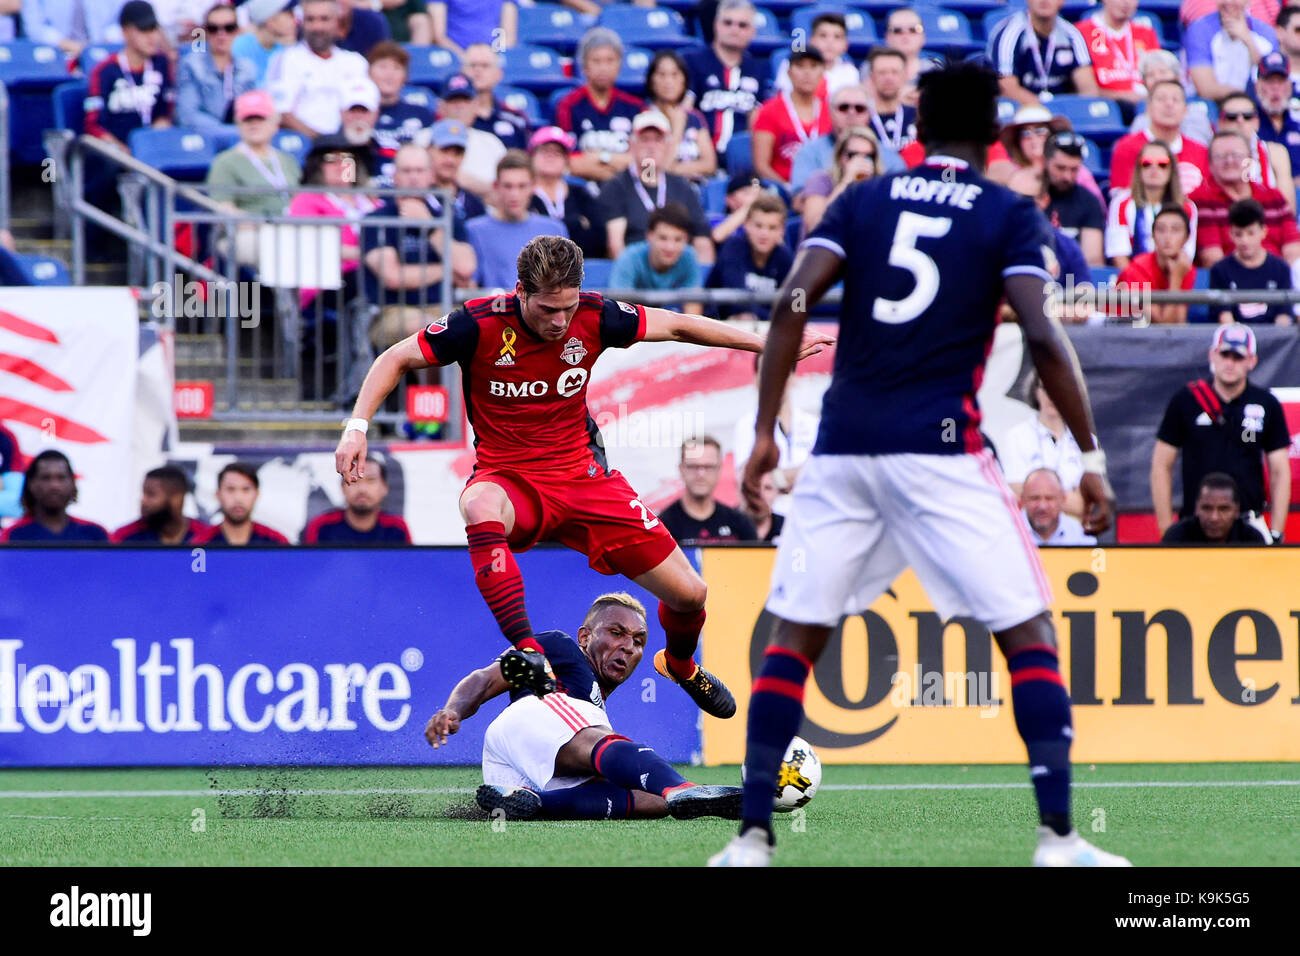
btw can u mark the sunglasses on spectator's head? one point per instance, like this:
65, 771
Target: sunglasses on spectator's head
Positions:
231, 27
1242, 115
852, 107
1162, 162
1071, 144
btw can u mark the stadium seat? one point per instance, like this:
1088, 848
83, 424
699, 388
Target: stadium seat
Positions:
420, 96
534, 68
1094, 159
69, 101
862, 29
549, 24
1103, 275
947, 30
636, 63
431, 65
713, 195
94, 54
25, 64
1006, 110
1092, 116
793, 227
42, 270
768, 35
293, 143
553, 101
179, 153
595, 273
1153, 22
522, 101
740, 154
996, 16
650, 27
1206, 108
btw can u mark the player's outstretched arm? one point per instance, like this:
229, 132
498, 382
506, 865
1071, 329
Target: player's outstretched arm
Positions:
1058, 367
474, 690
664, 326
405, 356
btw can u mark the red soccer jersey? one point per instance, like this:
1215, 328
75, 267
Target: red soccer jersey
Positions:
1115, 56
1193, 160
778, 117
527, 397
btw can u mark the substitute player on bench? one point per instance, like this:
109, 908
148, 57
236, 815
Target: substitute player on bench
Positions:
925, 256
556, 757
541, 473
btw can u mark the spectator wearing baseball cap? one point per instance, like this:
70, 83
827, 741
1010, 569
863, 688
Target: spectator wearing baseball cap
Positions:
274, 29
308, 79
576, 207
447, 141
133, 88
211, 78
628, 199
790, 119
1225, 424
483, 150
399, 122
357, 126
742, 189
360, 29
1275, 92
598, 113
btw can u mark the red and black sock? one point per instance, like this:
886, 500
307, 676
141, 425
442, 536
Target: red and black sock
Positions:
499, 581
1042, 708
628, 764
682, 630
775, 710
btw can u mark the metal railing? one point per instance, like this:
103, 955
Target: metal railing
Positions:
4, 157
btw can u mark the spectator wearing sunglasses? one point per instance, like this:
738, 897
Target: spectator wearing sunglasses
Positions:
1223, 48
850, 106
1230, 153
210, 79
905, 33
857, 157
1275, 91
1154, 186
1270, 164
1024, 142
1166, 109
1038, 54
1072, 208
829, 37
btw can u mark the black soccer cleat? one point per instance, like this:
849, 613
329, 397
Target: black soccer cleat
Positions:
701, 801
519, 803
709, 693
530, 671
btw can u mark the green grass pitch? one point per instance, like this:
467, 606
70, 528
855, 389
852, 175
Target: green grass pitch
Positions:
1156, 814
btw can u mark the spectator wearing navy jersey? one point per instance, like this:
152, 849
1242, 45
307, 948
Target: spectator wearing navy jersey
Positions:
697, 516
742, 189
664, 261
1038, 54
597, 113
360, 29
483, 150
482, 64
575, 206
237, 492
1222, 49
162, 516
459, 24
1275, 91
905, 33
1217, 518
894, 122
498, 239
210, 79
1070, 267
690, 147
1230, 154
729, 82
48, 488
362, 520
131, 89
629, 198
1251, 266
756, 258
398, 122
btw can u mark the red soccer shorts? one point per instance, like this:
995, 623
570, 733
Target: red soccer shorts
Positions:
598, 514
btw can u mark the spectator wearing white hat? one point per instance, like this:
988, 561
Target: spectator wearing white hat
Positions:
357, 125
274, 29
576, 207
308, 79
210, 79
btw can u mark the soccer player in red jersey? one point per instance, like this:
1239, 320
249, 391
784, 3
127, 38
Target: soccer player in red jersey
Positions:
541, 473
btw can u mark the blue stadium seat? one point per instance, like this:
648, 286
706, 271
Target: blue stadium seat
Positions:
740, 154
431, 65
636, 63
25, 64
1153, 22
522, 101
996, 16
42, 270
534, 68
1095, 160
69, 101
1103, 275
1006, 109
947, 30
1091, 115
793, 227
650, 27
296, 144
713, 195
94, 54
553, 100
419, 96
180, 153
768, 35
595, 273
1206, 108
862, 29
549, 24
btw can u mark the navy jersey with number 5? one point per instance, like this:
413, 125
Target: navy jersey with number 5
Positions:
574, 676
925, 255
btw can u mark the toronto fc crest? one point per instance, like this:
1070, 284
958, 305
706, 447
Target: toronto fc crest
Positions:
573, 351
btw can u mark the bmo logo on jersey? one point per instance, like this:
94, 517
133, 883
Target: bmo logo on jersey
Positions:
567, 385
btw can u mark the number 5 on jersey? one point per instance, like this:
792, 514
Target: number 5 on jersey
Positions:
904, 254
647, 519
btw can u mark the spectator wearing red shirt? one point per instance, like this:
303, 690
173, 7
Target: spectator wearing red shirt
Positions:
1167, 267
1166, 108
361, 521
1116, 44
788, 120
237, 490
1130, 223
1270, 163
1229, 155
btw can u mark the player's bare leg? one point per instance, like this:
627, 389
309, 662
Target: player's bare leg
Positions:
1042, 710
489, 518
681, 593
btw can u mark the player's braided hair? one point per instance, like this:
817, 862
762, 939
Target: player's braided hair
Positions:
959, 104
612, 599
548, 263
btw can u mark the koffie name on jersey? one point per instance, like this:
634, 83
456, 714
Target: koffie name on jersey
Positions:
961, 195
569, 383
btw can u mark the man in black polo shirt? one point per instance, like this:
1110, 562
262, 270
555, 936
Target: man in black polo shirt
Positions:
1217, 519
1225, 425
697, 516
1071, 208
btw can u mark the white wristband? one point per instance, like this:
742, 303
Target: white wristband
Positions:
1094, 461
356, 425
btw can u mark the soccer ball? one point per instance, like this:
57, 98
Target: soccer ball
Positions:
799, 777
